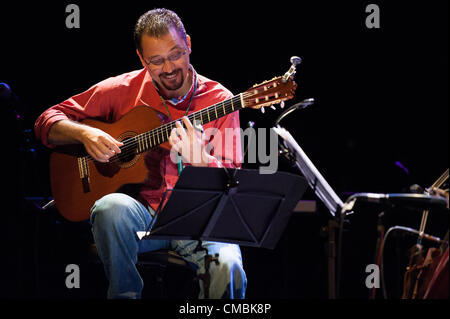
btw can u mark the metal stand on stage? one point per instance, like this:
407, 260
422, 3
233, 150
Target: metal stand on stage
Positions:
324, 191
339, 209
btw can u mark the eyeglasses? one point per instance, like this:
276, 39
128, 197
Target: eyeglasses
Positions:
158, 61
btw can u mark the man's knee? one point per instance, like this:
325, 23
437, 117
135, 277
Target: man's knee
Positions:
111, 208
228, 276
230, 263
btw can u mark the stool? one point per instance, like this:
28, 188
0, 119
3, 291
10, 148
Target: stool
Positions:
164, 272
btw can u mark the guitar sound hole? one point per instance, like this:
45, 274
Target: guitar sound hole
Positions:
128, 150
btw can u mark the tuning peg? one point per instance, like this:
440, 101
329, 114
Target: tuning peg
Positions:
282, 104
262, 109
273, 107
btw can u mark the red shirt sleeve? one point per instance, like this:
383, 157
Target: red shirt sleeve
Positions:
93, 103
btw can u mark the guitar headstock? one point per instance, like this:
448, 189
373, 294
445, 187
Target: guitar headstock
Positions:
269, 93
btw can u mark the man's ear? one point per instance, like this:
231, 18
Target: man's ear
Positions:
188, 42
140, 58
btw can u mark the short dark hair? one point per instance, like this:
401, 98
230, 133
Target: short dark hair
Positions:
156, 23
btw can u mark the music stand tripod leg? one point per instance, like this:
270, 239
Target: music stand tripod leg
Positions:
331, 259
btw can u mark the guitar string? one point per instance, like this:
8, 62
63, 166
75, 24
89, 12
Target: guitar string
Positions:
163, 131
138, 147
199, 114
136, 142
132, 144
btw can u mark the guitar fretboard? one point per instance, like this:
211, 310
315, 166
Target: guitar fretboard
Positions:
161, 134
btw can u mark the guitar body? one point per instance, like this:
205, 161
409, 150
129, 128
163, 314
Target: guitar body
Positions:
74, 195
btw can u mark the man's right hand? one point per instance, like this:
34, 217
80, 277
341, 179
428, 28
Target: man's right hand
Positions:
99, 144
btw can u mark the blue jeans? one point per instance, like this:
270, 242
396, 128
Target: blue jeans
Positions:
116, 218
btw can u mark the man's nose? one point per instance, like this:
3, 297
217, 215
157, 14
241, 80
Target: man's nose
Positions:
168, 66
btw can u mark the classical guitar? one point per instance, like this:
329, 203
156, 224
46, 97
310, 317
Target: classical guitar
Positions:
77, 180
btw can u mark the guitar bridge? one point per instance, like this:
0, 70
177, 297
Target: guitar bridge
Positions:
84, 174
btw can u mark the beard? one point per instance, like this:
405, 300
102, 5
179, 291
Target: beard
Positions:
172, 81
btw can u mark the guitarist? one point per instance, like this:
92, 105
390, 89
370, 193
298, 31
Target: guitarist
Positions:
170, 85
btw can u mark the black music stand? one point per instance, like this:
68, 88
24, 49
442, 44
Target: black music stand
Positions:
238, 206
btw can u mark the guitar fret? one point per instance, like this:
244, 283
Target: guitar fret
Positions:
86, 171
146, 141
139, 143
136, 138
80, 168
197, 121
83, 167
149, 142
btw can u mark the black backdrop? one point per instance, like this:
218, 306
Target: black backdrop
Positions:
381, 98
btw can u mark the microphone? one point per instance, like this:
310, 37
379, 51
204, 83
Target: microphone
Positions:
295, 60
402, 199
416, 189
301, 105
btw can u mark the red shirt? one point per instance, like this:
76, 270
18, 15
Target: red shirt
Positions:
112, 98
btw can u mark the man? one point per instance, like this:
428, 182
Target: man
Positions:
170, 85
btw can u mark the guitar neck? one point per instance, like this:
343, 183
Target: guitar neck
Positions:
161, 134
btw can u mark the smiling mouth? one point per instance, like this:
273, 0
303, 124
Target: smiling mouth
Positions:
170, 76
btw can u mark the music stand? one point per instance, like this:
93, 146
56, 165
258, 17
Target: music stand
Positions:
237, 206
329, 198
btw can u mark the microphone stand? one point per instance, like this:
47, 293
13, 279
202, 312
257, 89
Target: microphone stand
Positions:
323, 190
301, 105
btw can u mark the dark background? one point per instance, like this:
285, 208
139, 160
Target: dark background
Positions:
381, 98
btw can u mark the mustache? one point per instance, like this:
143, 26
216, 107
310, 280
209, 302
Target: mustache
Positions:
165, 74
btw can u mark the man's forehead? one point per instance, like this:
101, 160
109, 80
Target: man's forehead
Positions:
166, 42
